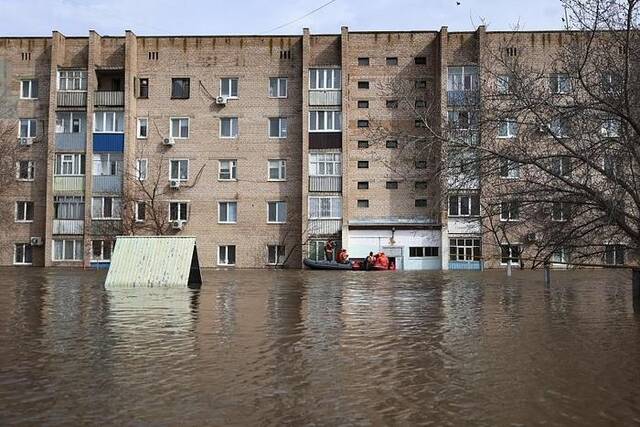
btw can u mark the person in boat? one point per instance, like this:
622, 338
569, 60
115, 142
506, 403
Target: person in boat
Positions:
328, 250
382, 262
369, 261
343, 256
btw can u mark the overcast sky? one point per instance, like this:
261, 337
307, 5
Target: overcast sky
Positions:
149, 17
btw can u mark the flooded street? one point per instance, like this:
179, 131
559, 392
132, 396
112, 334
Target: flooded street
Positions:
323, 348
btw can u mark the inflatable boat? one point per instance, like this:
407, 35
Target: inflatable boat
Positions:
326, 265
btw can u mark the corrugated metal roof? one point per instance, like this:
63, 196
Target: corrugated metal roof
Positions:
151, 261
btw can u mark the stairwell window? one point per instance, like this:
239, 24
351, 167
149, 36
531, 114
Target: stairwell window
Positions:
25, 170
227, 212
420, 60
561, 166
229, 127
277, 170
276, 254
229, 87
227, 255
24, 211
363, 62
510, 211
70, 165
276, 212
325, 79
363, 185
421, 203
180, 88
23, 254
72, 80
363, 164
29, 89
143, 88
325, 121
178, 211
143, 127
179, 127
67, 250
391, 185
278, 127
28, 128
363, 84
391, 144
106, 207
363, 123
363, 104
227, 170
278, 87
108, 122
179, 170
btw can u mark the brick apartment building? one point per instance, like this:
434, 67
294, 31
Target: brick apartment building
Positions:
262, 147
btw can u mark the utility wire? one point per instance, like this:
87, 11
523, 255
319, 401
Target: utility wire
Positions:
302, 17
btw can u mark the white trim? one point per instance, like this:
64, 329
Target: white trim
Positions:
227, 201
333, 119
104, 122
179, 170
136, 212
227, 255
286, 213
237, 79
146, 169
279, 119
15, 248
188, 119
30, 167
138, 127
283, 162
186, 202
25, 202
30, 97
237, 127
53, 249
286, 95
106, 218
231, 169
284, 254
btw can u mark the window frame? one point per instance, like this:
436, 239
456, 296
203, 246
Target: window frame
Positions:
278, 205
283, 131
136, 208
226, 264
187, 86
31, 90
115, 115
472, 209
82, 78
22, 210
116, 208
420, 252
179, 170
362, 203
179, 119
463, 256
280, 252
76, 242
319, 160
278, 87
32, 128
511, 247
24, 260
142, 173
139, 127
282, 170
314, 81
31, 170
229, 87
77, 161
513, 206
511, 127
111, 243
179, 204
233, 169
64, 117
333, 200
227, 203
325, 114
232, 127
556, 86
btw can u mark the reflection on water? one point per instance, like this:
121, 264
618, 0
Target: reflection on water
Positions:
255, 347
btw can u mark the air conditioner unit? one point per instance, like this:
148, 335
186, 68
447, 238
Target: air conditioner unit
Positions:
25, 141
221, 100
169, 141
174, 183
178, 224
36, 241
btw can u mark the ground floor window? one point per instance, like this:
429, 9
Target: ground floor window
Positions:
614, 254
101, 250
23, 254
423, 251
275, 254
560, 256
227, 255
67, 250
316, 249
465, 249
510, 252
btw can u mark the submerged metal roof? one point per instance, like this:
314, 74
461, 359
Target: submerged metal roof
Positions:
153, 261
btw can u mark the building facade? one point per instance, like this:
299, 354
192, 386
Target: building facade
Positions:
263, 147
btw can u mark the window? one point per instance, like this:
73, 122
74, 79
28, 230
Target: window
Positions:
421, 164
70, 122
24, 211
325, 121
560, 83
278, 127
511, 51
614, 254
68, 207
23, 254
325, 164
108, 122
178, 211
391, 185
227, 170
421, 84
559, 127
363, 84
72, 80
420, 123
70, 164
464, 205
420, 60
509, 211
465, 249
462, 78
67, 250
28, 128
508, 128
153, 55
278, 87
25, 170
327, 207
143, 88
391, 144
179, 127
363, 185
363, 123
229, 87
107, 164
503, 84
561, 166
29, 89
106, 208
179, 169
420, 185
423, 252
363, 104
560, 256
559, 211
462, 120
228, 212
228, 127
421, 203
277, 170
143, 127
509, 169
275, 254
363, 144
141, 169
101, 250
363, 203
510, 254
610, 128
363, 164
180, 88
420, 103
611, 165
363, 62
277, 212
227, 255
392, 60
392, 103
325, 79
140, 211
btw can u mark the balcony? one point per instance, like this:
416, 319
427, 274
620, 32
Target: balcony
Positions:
463, 97
325, 97
71, 142
68, 184
106, 227
107, 184
72, 99
108, 98
325, 183
68, 226
324, 227
325, 140
108, 142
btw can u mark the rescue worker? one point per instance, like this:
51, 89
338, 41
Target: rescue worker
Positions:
369, 261
343, 256
328, 250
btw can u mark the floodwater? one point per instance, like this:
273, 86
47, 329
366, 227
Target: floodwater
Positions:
320, 348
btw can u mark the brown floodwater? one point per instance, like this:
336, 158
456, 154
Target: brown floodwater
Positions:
320, 348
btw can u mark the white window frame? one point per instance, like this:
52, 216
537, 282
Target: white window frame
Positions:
280, 205
611, 128
142, 169
279, 83
563, 259
227, 203
461, 255
24, 252
179, 119
509, 218
512, 245
283, 125
111, 243
233, 126
319, 78
511, 127
115, 115
280, 253
139, 127
72, 75
179, 162
467, 80
137, 217
336, 116
333, 200
31, 170
460, 204
281, 166
228, 81
179, 203
116, 208
556, 87
32, 128
30, 88
613, 248
68, 207
503, 84
226, 250
66, 118
232, 167
21, 209
513, 169
76, 243
111, 160
558, 128
76, 160
320, 160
